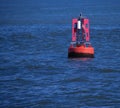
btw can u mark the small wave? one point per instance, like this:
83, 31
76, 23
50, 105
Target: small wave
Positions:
107, 70
105, 28
78, 79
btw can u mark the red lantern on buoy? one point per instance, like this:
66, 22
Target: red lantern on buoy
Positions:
80, 45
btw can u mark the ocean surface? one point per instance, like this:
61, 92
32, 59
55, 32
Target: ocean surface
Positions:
35, 71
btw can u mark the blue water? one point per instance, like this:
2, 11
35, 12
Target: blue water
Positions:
34, 69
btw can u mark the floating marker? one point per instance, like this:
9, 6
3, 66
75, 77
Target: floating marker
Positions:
80, 46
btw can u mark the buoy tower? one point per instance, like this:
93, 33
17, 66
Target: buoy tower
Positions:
80, 46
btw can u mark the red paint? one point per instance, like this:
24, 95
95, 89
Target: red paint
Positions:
74, 29
82, 49
85, 29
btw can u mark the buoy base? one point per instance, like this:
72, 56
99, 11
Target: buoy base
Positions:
81, 51
80, 55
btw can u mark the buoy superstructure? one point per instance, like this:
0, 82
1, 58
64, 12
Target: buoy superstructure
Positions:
80, 46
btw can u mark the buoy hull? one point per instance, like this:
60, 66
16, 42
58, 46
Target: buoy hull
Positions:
80, 55
81, 52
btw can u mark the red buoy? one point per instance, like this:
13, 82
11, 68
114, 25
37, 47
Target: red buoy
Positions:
80, 45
